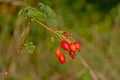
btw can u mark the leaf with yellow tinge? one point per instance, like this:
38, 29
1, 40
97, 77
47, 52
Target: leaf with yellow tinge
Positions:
29, 47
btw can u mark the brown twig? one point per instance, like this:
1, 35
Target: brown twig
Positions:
17, 51
86, 65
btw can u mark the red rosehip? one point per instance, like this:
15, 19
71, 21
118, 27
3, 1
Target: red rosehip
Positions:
77, 45
72, 54
62, 58
57, 52
72, 47
65, 45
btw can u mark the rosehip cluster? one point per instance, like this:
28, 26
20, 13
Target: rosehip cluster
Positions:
72, 48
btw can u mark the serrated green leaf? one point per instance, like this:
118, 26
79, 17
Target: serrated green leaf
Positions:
49, 14
42, 13
33, 13
42, 7
48, 9
40, 16
29, 47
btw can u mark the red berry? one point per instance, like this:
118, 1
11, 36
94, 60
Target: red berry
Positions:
57, 52
72, 54
77, 45
62, 58
72, 47
65, 45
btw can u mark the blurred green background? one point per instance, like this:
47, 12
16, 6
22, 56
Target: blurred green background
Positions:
93, 23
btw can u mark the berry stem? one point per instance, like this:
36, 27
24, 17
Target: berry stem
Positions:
17, 51
46, 27
49, 29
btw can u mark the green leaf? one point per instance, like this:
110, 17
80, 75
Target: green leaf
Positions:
41, 7
40, 16
41, 13
29, 47
51, 43
52, 39
33, 13
49, 13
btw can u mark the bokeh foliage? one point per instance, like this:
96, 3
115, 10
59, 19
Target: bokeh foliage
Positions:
95, 24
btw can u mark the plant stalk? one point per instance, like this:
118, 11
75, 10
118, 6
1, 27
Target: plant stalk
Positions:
6, 74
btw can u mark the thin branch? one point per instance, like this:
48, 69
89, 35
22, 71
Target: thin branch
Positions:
92, 73
17, 51
46, 27
49, 29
